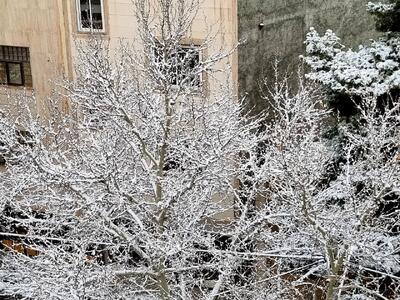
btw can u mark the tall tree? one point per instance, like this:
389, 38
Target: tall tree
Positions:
150, 188
363, 90
133, 193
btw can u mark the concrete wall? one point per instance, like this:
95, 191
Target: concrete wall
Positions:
286, 24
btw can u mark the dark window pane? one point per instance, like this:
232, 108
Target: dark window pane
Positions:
7, 55
84, 4
97, 21
15, 73
85, 13
193, 60
97, 12
26, 67
188, 60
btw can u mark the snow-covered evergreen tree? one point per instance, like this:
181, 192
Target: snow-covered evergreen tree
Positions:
372, 70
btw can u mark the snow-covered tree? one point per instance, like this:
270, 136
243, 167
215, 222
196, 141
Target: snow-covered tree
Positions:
337, 197
387, 15
372, 70
153, 187
363, 89
132, 193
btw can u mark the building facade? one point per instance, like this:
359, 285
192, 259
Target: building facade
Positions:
38, 38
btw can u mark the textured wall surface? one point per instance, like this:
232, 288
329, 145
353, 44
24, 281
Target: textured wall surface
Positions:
286, 24
34, 24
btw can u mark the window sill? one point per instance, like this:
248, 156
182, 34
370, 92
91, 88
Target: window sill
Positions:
91, 32
16, 87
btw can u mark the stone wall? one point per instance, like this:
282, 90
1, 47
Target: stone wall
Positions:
286, 23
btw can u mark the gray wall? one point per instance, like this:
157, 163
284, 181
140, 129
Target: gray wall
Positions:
286, 24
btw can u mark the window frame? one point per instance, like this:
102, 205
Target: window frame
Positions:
21, 71
23, 57
196, 88
81, 29
5, 70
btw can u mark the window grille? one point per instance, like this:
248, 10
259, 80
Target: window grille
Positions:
11, 53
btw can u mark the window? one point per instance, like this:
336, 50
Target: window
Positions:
90, 15
15, 68
181, 67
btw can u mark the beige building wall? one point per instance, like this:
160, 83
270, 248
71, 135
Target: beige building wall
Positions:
34, 24
215, 17
50, 28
